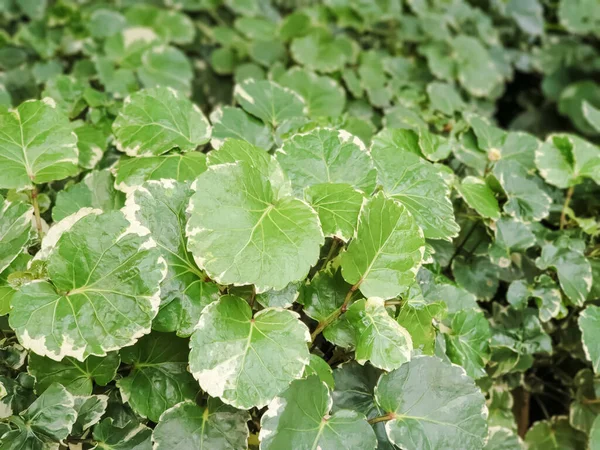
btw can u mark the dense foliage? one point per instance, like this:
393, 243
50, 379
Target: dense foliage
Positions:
348, 224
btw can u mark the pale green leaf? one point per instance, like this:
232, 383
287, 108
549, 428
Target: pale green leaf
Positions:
131, 172
16, 230
322, 52
477, 72
268, 101
48, 420
229, 122
241, 232
160, 207
187, 426
37, 145
319, 367
592, 115
246, 361
529, 15
169, 67
595, 434
579, 16
302, 415
444, 97
565, 160
436, 406
159, 378
89, 411
573, 269
131, 436
327, 156
91, 142
501, 438
102, 290
77, 377
417, 184
479, 196
511, 236
418, 320
526, 200
386, 253
589, 324
153, 121
337, 205
379, 339
96, 190
323, 95
283, 298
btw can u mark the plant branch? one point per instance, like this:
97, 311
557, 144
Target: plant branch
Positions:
337, 313
563, 213
384, 418
590, 401
36, 212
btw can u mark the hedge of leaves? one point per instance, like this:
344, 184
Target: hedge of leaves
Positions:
348, 224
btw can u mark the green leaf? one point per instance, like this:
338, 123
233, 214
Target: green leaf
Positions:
247, 361
96, 300
477, 72
317, 366
565, 160
526, 200
477, 275
327, 156
467, 344
242, 232
159, 378
338, 206
283, 298
154, 121
37, 145
77, 377
302, 415
67, 92
501, 438
160, 207
589, 321
96, 190
573, 269
168, 67
229, 122
15, 230
418, 185
436, 405
379, 338
592, 115
579, 16
268, 101
479, 196
89, 411
7, 290
321, 52
91, 143
47, 421
529, 15
595, 434
417, 318
511, 236
554, 434
444, 97
132, 436
323, 95
324, 294
548, 298
187, 426
132, 172
387, 250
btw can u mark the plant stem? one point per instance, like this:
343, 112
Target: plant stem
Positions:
334, 245
384, 418
591, 401
563, 214
523, 424
334, 315
36, 212
393, 302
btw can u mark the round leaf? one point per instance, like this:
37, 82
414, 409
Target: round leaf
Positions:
247, 361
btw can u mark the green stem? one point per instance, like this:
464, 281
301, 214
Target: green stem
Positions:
334, 246
36, 212
337, 313
563, 214
393, 302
